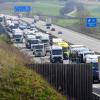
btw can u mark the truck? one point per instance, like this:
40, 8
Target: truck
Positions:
29, 32
82, 54
31, 40
65, 47
38, 50
60, 42
78, 54
36, 18
48, 23
75, 46
56, 54
93, 59
56, 40
17, 36
39, 35
45, 40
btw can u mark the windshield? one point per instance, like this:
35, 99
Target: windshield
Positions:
45, 41
88, 54
38, 37
57, 52
14, 27
22, 26
38, 47
34, 41
65, 49
17, 36
39, 50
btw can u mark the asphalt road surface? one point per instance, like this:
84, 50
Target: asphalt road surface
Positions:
96, 89
70, 36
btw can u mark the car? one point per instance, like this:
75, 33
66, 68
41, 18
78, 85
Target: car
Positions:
59, 32
53, 29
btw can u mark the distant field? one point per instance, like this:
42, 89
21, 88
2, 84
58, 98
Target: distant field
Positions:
94, 11
66, 22
50, 9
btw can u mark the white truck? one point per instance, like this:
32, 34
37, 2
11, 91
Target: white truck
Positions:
56, 40
84, 53
38, 50
93, 59
39, 35
56, 54
31, 40
78, 54
46, 41
29, 32
36, 18
17, 36
75, 46
48, 23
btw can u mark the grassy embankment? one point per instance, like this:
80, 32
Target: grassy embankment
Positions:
18, 82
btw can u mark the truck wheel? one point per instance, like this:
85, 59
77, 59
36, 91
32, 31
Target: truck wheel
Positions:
61, 62
51, 61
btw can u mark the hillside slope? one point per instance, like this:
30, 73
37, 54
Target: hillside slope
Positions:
18, 82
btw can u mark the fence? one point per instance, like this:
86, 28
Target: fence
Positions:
72, 80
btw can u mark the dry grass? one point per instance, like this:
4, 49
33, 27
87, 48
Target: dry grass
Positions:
19, 83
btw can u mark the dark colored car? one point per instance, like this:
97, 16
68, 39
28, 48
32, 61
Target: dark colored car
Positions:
59, 32
53, 29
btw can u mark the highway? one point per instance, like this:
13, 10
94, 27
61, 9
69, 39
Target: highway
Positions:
28, 52
70, 36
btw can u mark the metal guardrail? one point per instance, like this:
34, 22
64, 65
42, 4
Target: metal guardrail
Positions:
96, 96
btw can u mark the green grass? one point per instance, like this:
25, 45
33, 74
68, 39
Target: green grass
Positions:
50, 9
18, 82
66, 22
94, 10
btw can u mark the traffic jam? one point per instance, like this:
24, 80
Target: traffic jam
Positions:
46, 45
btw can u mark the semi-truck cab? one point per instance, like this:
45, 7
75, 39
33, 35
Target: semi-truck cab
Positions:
38, 50
31, 41
56, 54
45, 40
48, 22
17, 36
65, 47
